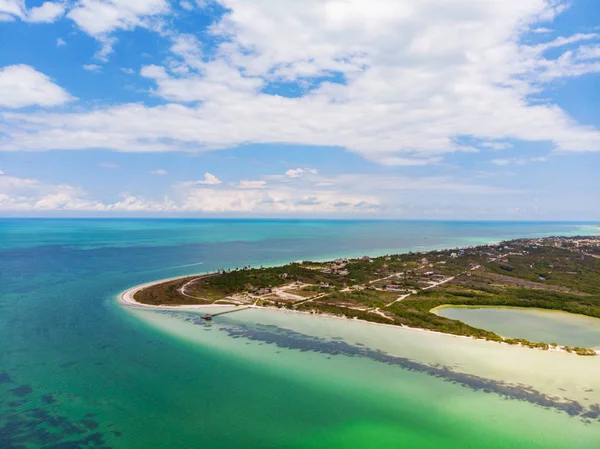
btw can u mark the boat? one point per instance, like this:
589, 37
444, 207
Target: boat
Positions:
207, 317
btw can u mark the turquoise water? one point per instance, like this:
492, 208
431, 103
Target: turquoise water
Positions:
79, 370
531, 324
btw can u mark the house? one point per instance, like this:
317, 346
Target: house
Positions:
264, 291
366, 259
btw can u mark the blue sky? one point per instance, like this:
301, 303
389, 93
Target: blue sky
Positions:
437, 109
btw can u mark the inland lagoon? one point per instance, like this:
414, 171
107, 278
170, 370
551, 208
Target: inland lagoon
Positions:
79, 369
532, 324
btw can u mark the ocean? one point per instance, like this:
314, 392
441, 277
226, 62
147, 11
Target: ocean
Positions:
78, 370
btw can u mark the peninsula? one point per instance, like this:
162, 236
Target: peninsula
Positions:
557, 273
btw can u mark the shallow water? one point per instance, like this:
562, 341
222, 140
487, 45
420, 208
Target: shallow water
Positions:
532, 324
79, 370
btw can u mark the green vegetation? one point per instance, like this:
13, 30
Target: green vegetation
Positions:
554, 273
166, 293
554, 266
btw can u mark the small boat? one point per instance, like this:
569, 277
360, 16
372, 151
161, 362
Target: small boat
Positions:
207, 317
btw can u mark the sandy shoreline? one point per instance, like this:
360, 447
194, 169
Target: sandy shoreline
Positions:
126, 298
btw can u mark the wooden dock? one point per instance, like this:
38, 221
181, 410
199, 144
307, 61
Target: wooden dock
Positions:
209, 317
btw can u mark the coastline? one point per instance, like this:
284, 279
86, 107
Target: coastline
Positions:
126, 298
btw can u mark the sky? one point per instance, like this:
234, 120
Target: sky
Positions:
399, 109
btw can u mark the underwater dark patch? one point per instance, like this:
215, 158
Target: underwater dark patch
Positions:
288, 339
22, 391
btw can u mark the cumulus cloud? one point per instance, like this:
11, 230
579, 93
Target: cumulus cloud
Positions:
99, 18
92, 67
27, 194
47, 12
186, 5
12, 9
297, 172
400, 83
22, 85
354, 194
16, 9
209, 179
245, 184
159, 172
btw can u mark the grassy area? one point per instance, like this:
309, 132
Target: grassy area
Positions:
553, 273
369, 298
554, 266
167, 293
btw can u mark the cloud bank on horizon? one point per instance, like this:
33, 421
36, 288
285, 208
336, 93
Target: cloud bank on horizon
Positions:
439, 99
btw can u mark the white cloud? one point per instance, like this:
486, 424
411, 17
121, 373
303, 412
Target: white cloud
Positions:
26, 194
209, 179
47, 12
355, 194
99, 18
518, 161
22, 85
279, 201
92, 67
218, 80
542, 30
186, 5
12, 8
128, 71
6, 17
16, 9
408, 161
60, 42
158, 172
297, 172
245, 184
419, 75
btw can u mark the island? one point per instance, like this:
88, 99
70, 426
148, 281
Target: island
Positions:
556, 273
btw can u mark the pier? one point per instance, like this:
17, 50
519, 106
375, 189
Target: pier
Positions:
210, 316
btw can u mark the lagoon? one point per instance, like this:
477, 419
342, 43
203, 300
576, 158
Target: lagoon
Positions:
548, 326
